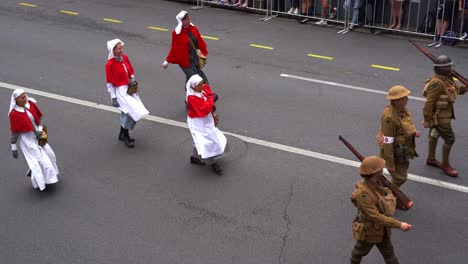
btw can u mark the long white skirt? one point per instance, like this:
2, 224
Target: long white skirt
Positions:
130, 104
41, 160
208, 139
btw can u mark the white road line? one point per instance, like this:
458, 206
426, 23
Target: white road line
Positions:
345, 86
260, 142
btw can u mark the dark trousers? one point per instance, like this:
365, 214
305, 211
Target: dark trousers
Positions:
362, 248
189, 72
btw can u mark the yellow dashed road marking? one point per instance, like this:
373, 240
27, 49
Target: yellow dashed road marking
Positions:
208, 37
158, 28
68, 12
261, 47
27, 4
320, 56
384, 67
112, 20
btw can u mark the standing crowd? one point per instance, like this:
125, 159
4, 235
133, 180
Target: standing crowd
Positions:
375, 203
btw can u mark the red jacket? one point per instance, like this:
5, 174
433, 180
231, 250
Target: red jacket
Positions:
20, 122
200, 106
179, 53
115, 72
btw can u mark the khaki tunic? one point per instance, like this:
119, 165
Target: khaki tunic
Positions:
399, 127
366, 198
440, 92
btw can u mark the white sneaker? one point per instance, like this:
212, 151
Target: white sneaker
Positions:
291, 10
296, 11
322, 22
464, 36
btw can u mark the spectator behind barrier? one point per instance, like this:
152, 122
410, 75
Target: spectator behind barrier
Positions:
397, 14
294, 7
463, 8
445, 12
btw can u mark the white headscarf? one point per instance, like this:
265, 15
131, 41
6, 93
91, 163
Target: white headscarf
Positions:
192, 82
111, 45
179, 18
16, 93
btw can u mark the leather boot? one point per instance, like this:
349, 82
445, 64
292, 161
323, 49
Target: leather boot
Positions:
445, 161
431, 160
217, 169
122, 134
128, 140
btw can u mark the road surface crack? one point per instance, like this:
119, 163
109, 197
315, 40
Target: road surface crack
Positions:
287, 219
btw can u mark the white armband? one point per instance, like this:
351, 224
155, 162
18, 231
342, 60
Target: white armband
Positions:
13, 147
388, 140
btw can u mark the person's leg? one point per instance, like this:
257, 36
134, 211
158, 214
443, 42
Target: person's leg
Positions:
393, 25
401, 173
399, 13
354, 20
446, 132
360, 250
387, 251
444, 28
432, 146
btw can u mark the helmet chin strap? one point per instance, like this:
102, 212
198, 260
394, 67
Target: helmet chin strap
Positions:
442, 72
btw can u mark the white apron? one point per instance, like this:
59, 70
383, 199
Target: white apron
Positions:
208, 139
130, 104
41, 160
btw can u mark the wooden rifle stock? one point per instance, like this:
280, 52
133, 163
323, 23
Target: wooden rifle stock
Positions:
403, 201
457, 75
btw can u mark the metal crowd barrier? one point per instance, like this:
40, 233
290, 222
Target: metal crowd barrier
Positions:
430, 18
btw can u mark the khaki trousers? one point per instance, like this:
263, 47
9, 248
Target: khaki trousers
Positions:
362, 248
401, 173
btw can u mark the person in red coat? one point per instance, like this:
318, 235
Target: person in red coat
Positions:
187, 45
119, 75
209, 142
25, 124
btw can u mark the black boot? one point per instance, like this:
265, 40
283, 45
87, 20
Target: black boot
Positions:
128, 141
217, 169
195, 160
122, 134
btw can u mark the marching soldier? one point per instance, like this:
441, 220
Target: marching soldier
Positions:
375, 205
397, 146
441, 92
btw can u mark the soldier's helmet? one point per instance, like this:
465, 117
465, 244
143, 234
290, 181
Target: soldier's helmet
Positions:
397, 92
371, 165
443, 60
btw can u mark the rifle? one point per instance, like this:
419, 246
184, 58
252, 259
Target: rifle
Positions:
403, 201
457, 75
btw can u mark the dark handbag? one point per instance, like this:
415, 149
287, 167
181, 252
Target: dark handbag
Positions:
132, 88
201, 59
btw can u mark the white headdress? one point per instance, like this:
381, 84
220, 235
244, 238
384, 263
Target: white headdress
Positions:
179, 18
192, 82
16, 93
111, 45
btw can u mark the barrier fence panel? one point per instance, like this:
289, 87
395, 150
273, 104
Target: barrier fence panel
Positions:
443, 20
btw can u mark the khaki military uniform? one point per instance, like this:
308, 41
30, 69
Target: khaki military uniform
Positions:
398, 145
441, 92
372, 224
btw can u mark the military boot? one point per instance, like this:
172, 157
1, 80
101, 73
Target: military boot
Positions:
431, 160
445, 161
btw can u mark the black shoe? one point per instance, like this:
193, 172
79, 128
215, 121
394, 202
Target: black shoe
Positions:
197, 161
122, 135
29, 173
217, 169
303, 21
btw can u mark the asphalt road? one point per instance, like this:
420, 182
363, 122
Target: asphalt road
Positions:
149, 205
